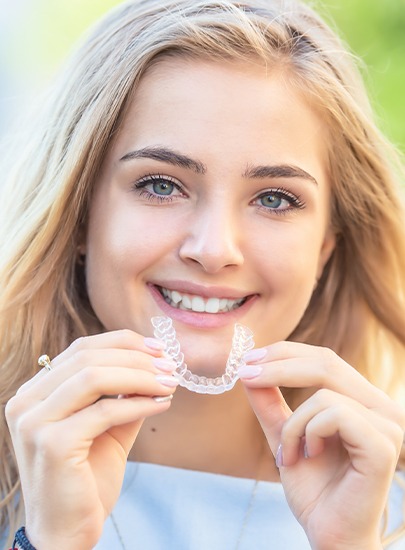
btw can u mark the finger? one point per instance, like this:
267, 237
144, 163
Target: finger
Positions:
46, 381
120, 339
111, 413
316, 367
271, 410
284, 350
123, 416
370, 452
295, 428
90, 384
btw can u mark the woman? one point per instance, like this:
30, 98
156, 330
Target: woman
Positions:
215, 163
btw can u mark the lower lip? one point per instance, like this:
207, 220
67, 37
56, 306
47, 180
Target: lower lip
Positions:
201, 320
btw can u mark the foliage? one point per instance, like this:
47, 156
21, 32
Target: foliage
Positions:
374, 29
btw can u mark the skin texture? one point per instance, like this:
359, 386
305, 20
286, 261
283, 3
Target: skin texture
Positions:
220, 229
214, 232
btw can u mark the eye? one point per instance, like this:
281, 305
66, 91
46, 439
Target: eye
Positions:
163, 187
272, 201
158, 187
279, 200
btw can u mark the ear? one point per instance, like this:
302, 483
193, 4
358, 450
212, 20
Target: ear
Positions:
81, 247
328, 246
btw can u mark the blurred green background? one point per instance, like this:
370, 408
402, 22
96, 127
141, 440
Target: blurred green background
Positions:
374, 29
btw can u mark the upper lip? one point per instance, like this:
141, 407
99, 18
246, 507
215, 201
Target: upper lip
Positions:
186, 287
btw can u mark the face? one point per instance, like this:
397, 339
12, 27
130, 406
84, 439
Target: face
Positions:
212, 207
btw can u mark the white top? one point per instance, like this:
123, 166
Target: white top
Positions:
164, 508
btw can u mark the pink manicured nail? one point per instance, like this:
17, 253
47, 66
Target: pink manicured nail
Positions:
279, 456
255, 355
168, 381
154, 343
249, 372
165, 365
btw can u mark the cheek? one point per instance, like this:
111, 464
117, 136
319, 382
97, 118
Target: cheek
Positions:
289, 255
124, 247
287, 267
122, 242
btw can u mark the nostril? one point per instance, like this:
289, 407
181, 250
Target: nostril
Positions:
212, 256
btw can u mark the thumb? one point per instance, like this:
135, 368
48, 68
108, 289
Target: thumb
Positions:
126, 434
271, 410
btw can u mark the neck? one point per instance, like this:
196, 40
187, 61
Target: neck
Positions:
211, 433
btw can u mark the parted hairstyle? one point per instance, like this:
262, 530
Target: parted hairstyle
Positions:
358, 307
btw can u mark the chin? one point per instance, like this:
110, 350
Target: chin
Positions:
208, 363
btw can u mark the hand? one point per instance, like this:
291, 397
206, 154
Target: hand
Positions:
72, 442
339, 448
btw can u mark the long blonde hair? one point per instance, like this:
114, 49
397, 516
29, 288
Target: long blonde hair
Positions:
358, 306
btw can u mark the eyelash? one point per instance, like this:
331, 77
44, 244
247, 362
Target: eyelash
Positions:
140, 186
150, 179
295, 201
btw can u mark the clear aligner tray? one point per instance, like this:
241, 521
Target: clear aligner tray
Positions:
242, 342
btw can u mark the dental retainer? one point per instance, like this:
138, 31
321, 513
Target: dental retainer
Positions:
242, 342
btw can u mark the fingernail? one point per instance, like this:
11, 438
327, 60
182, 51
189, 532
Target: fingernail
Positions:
168, 381
154, 343
255, 355
249, 372
279, 456
163, 398
165, 365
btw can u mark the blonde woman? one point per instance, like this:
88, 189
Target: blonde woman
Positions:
216, 164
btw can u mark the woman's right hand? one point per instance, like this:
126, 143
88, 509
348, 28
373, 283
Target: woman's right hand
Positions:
72, 442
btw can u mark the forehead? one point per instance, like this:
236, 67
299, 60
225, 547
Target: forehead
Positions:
247, 108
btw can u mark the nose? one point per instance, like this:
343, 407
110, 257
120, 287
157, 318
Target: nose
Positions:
213, 240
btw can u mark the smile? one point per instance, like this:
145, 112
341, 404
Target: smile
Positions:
198, 304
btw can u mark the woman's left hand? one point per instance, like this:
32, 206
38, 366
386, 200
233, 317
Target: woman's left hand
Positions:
337, 451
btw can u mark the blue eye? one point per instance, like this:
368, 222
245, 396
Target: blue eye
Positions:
271, 201
163, 187
279, 201
158, 188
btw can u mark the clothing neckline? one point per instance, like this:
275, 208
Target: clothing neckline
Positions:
133, 465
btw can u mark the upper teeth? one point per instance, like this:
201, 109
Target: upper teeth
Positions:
198, 303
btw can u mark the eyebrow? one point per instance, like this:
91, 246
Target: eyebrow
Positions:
163, 154
278, 171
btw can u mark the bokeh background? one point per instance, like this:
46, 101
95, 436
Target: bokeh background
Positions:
36, 35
